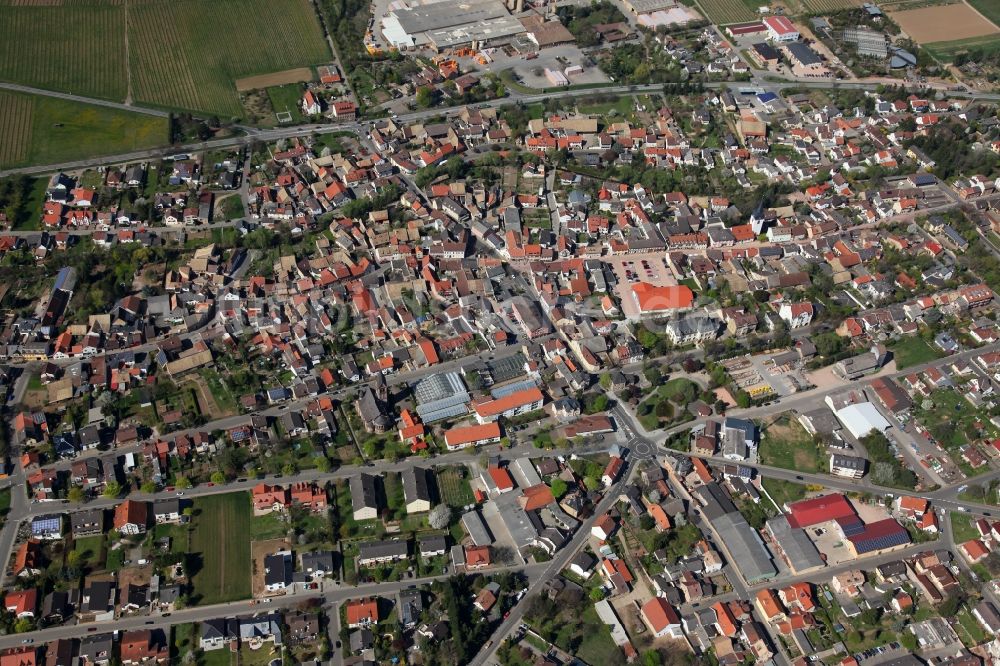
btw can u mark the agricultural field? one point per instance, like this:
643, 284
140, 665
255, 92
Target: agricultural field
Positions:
185, 54
15, 128
988, 8
946, 51
188, 54
220, 544
725, 12
35, 129
74, 47
820, 6
943, 23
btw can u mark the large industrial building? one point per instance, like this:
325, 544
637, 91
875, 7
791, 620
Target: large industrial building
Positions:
443, 25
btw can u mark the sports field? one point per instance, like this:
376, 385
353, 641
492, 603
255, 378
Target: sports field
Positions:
35, 129
184, 54
221, 540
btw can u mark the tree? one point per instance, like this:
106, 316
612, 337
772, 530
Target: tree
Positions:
75, 494
289, 468
148, 487
182, 482
440, 516
23, 625
558, 487
425, 96
218, 478
909, 641
322, 464
73, 559
596, 594
112, 489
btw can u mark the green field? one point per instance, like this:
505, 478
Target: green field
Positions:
287, 98
454, 488
962, 529
91, 550
221, 539
183, 54
820, 6
725, 12
988, 8
35, 129
783, 492
785, 443
913, 351
946, 51
76, 47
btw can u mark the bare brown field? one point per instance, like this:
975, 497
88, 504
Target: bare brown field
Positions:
943, 23
297, 75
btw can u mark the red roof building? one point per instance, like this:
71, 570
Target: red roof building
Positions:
362, 612
820, 510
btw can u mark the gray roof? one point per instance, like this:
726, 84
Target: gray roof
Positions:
432, 544
474, 525
799, 550
371, 409
263, 626
803, 54
319, 560
370, 550
715, 500
277, 568
364, 491
416, 484
441, 396
746, 548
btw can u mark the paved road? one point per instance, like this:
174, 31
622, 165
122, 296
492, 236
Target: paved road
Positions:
333, 594
360, 128
86, 100
551, 570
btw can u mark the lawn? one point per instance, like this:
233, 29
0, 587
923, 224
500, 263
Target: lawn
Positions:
221, 657
221, 540
269, 526
620, 106
962, 528
971, 628
785, 443
223, 397
287, 98
913, 351
783, 492
453, 483
178, 535
91, 550
47, 130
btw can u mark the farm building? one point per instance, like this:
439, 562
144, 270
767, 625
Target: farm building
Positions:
445, 25
780, 29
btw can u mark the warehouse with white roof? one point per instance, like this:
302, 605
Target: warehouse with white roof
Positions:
862, 418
